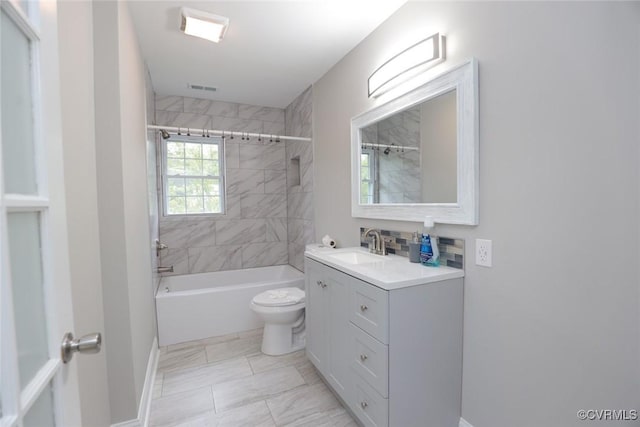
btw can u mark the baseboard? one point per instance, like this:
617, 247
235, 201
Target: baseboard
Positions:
149, 380
464, 423
147, 390
130, 423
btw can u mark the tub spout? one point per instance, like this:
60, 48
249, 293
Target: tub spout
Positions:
165, 269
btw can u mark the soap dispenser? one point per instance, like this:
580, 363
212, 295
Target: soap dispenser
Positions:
414, 248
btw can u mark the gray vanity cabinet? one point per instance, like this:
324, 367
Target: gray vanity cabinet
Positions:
393, 356
327, 315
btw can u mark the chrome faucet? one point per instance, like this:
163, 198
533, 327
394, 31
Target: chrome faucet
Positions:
377, 245
165, 269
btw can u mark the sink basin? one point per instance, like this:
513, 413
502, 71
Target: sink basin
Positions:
357, 257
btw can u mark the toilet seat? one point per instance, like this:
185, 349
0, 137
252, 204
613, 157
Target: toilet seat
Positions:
279, 297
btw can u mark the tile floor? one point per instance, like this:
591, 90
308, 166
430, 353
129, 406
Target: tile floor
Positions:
227, 381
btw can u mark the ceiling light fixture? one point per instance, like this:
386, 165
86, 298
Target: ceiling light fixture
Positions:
419, 57
203, 24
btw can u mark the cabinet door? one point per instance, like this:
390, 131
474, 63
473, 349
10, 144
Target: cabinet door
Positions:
316, 340
338, 331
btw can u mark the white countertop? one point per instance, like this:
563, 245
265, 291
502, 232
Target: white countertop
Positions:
391, 272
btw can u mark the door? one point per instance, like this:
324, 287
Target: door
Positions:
37, 388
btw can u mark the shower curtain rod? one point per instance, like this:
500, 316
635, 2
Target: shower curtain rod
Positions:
200, 132
393, 146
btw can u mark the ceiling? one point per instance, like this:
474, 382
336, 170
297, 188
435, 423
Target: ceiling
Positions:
272, 51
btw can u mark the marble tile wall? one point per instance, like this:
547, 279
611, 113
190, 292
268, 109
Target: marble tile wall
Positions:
299, 158
253, 231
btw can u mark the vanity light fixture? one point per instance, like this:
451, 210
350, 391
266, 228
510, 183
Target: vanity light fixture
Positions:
419, 57
203, 24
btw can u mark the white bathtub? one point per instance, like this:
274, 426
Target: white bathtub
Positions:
195, 306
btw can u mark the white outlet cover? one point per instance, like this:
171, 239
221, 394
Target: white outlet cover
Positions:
483, 253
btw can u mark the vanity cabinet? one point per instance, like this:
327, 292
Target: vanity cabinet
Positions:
327, 313
394, 356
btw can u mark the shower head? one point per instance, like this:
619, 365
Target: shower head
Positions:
165, 134
387, 151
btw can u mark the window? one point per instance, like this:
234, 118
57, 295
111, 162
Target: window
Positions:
367, 176
193, 175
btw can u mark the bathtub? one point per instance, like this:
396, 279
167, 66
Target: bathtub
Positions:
196, 306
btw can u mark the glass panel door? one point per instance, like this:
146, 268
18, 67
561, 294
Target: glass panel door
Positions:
30, 390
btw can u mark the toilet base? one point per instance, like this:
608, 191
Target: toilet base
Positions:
280, 339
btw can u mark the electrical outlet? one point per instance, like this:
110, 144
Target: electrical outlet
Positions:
483, 252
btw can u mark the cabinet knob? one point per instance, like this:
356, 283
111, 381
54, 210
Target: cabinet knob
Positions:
324, 285
363, 307
364, 405
363, 357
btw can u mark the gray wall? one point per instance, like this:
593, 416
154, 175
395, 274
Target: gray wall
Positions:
553, 326
299, 158
122, 205
152, 180
253, 232
134, 167
77, 111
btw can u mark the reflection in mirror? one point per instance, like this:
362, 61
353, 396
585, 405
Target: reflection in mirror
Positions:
417, 154
410, 157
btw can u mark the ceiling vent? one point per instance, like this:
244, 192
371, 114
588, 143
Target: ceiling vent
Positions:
202, 87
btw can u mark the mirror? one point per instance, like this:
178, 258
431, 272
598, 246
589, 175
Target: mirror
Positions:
417, 154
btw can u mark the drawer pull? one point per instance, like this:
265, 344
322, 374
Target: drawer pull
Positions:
363, 357
364, 405
363, 307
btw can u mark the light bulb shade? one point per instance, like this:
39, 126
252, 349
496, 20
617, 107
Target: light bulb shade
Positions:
414, 59
203, 24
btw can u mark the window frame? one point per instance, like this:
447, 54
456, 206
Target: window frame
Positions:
213, 140
373, 173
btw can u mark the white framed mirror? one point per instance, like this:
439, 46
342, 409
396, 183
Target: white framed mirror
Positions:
417, 154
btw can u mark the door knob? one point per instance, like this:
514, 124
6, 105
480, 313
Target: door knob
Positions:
87, 344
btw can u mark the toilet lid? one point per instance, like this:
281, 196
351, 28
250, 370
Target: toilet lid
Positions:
280, 297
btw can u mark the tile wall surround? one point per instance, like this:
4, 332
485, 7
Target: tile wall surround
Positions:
451, 249
254, 231
300, 219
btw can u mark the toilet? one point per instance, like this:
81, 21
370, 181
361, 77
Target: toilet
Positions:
282, 311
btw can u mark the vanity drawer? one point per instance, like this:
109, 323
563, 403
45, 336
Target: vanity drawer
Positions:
370, 408
370, 360
370, 309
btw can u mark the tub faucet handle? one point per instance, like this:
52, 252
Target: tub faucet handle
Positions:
160, 246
